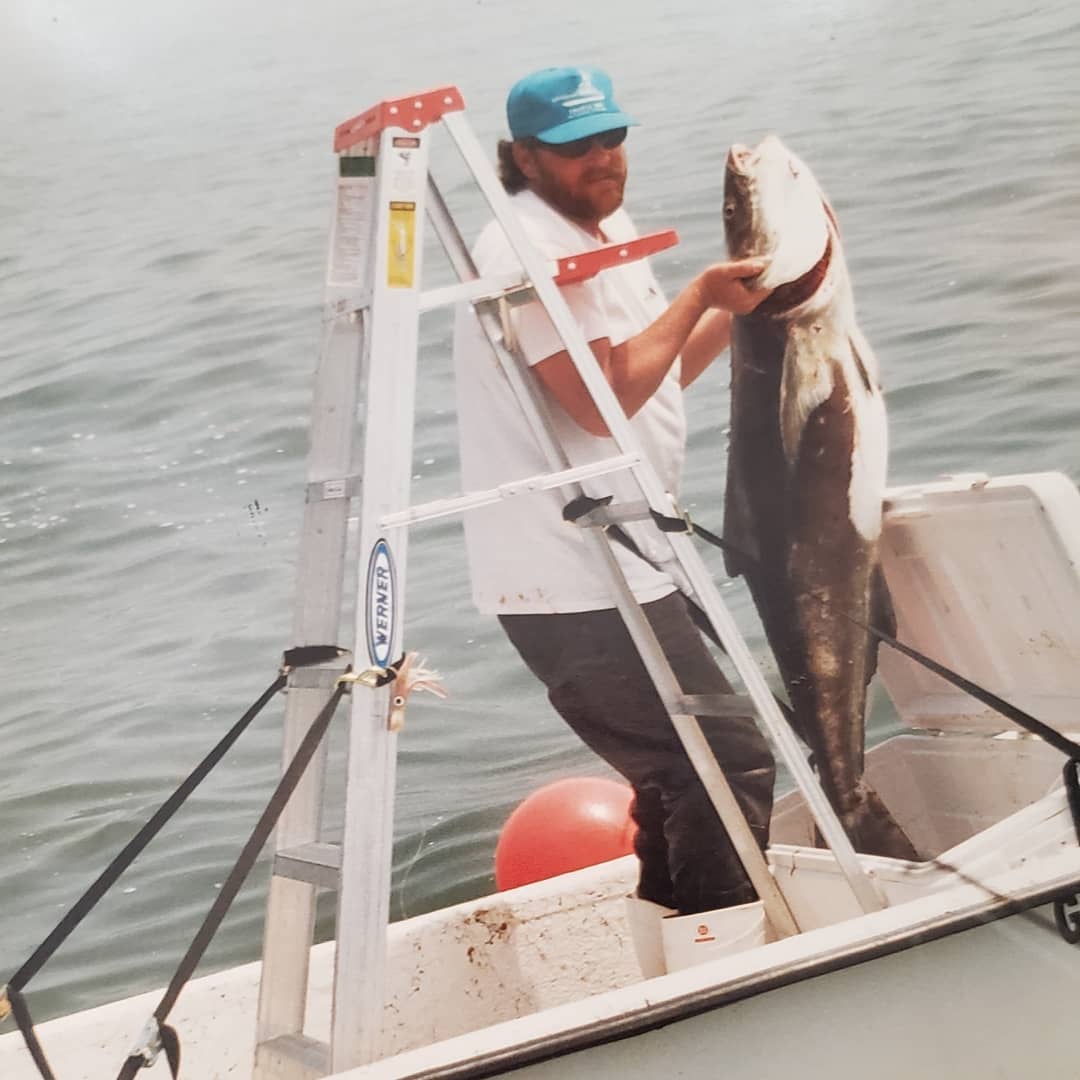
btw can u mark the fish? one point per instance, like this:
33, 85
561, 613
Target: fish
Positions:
807, 461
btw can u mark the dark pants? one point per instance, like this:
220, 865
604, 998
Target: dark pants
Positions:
600, 687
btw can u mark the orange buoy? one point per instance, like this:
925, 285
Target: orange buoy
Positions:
564, 826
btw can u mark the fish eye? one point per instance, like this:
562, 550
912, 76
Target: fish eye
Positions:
729, 210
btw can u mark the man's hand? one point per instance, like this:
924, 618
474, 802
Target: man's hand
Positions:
725, 285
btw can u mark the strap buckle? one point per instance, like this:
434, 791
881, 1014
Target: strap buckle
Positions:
149, 1045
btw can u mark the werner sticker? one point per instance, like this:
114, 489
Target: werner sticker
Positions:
381, 604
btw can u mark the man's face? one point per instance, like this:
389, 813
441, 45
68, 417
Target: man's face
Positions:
588, 188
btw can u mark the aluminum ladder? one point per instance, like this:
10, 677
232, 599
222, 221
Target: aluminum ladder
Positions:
368, 355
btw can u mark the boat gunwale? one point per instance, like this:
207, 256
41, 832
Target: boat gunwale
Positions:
981, 911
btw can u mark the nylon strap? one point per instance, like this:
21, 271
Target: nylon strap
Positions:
137, 843
1072, 790
296, 657
26, 1025
583, 505
1025, 720
261, 833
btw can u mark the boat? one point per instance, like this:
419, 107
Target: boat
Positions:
970, 971
963, 966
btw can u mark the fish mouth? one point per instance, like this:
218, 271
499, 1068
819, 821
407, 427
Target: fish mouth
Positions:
739, 157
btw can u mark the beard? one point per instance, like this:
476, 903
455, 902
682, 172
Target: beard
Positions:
591, 200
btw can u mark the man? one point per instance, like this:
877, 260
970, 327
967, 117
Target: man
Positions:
566, 169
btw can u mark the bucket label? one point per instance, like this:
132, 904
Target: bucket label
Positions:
381, 604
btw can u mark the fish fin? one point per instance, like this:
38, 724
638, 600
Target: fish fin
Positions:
865, 361
882, 617
860, 367
806, 383
739, 532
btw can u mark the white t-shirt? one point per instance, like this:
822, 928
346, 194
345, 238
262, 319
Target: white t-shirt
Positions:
523, 558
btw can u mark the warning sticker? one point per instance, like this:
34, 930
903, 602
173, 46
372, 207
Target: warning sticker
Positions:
401, 254
350, 237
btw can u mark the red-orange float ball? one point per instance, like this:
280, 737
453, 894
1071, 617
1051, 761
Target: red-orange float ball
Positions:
564, 826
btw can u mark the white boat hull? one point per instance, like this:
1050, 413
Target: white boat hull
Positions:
964, 974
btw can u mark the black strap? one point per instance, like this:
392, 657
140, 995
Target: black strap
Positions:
261, 833
170, 1041
1072, 790
293, 658
583, 505
309, 655
1025, 720
137, 843
666, 523
23, 1018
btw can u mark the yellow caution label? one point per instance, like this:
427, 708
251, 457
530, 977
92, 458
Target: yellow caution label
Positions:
401, 256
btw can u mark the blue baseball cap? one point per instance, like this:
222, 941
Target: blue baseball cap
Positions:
561, 104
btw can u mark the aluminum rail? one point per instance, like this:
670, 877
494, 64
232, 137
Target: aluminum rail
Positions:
618, 425
686, 726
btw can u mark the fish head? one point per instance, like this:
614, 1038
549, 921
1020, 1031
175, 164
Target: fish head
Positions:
774, 210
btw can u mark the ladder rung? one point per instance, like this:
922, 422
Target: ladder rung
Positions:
565, 271
477, 290
292, 1057
345, 487
541, 482
713, 705
316, 863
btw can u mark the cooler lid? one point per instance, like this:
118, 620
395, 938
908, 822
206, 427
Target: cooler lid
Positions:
985, 578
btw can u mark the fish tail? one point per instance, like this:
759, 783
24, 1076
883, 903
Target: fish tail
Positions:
872, 828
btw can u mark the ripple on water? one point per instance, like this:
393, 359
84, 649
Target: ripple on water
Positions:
165, 299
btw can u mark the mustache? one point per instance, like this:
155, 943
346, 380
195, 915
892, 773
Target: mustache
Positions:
603, 174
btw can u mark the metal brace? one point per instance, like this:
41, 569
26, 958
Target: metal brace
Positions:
712, 706
346, 307
347, 487
316, 678
603, 516
371, 677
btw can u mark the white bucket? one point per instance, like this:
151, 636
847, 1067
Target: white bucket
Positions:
693, 939
645, 919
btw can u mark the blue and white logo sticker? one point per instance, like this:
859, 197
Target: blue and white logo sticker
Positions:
381, 604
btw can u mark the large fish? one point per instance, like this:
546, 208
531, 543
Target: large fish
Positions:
806, 473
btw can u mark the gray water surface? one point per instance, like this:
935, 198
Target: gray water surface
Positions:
165, 183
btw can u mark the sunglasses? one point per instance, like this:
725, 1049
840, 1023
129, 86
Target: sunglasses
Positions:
580, 147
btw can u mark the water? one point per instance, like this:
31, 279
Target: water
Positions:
164, 200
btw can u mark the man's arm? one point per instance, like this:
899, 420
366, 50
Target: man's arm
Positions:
635, 368
709, 338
